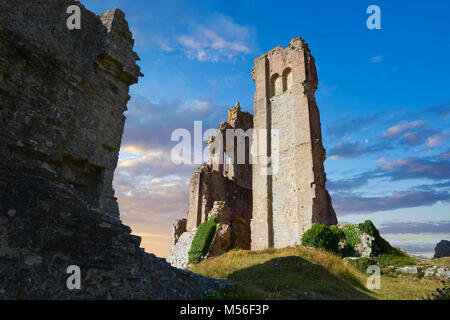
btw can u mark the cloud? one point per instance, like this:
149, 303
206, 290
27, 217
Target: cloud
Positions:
412, 168
163, 43
444, 155
150, 205
153, 163
422, 243
346, 125
345, 203
219, 39
403, 169
437, 139
149, 125
325, 90
375, 59
348, 150
400, 121
400, 128
415, 227
411, 133
438, 110
346, 184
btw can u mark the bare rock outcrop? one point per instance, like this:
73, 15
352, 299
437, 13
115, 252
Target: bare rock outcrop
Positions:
62, 97
442, 249
179, 252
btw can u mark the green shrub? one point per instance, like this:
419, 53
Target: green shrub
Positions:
352, 234
337, 232
323, 237
352, 238
202, 239
379, 245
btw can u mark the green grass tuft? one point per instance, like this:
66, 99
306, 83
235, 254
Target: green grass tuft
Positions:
323, 237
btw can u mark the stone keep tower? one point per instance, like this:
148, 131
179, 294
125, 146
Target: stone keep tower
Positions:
287, 202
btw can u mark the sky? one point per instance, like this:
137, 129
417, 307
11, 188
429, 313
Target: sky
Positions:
383, 96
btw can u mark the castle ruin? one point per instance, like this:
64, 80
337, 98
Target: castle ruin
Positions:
287, 202
277, 200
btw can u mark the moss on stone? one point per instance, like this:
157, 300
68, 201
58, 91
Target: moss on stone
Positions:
202, 239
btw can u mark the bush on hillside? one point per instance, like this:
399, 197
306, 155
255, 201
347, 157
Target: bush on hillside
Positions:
323, 237
352, 238
202, 239
379, 245
329, 237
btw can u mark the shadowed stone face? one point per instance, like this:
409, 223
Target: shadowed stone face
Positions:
62, 97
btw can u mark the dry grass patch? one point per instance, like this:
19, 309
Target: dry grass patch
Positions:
303, 273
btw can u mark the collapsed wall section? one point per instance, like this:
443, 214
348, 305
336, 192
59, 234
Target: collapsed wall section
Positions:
222, 178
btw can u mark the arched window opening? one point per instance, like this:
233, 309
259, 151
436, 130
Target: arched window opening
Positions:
288, 81
276, 86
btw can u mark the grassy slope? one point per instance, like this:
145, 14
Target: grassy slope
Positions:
304, 273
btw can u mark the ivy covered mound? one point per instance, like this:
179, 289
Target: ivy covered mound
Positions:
202, 239
349, 240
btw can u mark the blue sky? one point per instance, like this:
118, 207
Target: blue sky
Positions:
383, 96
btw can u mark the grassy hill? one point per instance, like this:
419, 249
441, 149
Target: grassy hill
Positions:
308, 273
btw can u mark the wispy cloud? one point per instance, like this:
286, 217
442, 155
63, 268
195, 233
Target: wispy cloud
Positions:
356, 204
354, 149
217, 40
412, 133
150, 124
437, 139
415, 227
416, 168
375, 59
400, 128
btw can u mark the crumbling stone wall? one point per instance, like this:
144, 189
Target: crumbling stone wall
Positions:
288, 202
62, 97
224, 180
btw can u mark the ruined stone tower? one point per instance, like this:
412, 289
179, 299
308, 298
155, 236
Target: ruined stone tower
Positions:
287, 202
